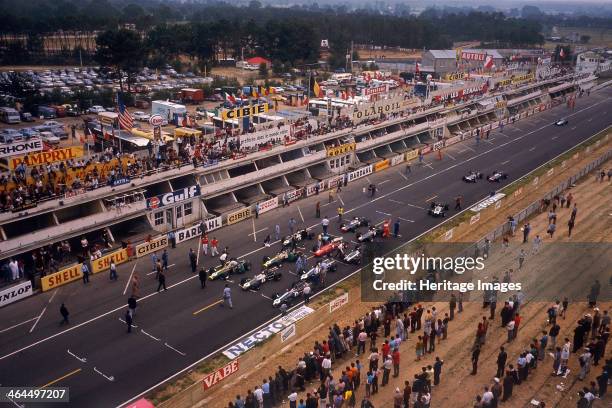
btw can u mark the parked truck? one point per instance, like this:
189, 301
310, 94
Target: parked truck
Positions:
192, 95
168, 110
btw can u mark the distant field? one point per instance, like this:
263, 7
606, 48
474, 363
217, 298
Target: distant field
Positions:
601, 37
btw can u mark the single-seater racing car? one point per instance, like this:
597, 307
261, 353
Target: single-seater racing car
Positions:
230, 267
354, 256
328, 248
561, 122
370, 234
298, 236
313, 273
437, 209
283, 256
353, 224
472, 177
497, 176
290, 295
256, 281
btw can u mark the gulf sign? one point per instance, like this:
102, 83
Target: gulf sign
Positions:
244, 111
103, 263
51, 156
62, 277
220, 375
174, 197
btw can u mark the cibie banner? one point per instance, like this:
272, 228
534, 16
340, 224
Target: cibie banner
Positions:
244, 111
51, 156
151, 246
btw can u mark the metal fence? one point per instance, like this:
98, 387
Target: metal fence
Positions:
534, 207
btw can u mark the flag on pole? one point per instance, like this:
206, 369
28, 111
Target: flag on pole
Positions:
317, 89
230, 98
126, 122
561, 53
488, 62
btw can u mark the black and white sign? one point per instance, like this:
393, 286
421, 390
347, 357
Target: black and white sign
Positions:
21, 148
362, 172
288, 333
212, 224
251, 140
15, 293
188, 233
120, 181
173, 197
488, 202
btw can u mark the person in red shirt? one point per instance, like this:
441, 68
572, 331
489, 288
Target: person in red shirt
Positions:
517, 322
396, 361
213, 247
386, 349
386, 229
205, 244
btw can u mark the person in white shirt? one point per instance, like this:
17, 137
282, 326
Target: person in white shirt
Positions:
510, 328
326, 365
487, 397
258, 393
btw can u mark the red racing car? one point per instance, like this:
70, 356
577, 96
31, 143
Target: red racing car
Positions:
327, 249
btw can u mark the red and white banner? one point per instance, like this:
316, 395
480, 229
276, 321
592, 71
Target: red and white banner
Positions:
220, 375
426, 150
294, 195
268, 205
397, 159
375, 91
453, 140
333, 182
473, 56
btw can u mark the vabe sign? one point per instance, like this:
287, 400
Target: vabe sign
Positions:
174, 197
220, 375
15, 293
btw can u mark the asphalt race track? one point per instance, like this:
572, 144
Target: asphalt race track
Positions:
104, 366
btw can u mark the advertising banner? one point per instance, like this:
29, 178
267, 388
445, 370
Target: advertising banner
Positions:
381, 165
342, 149
338, 302
220, 375
14, 293
154, 245
188, 233
288, 333
373, 110
438, 145
375, 91
51, 156
250, 140
397, 160
473, 56
239, 215
212, 224
453, 140
103, 263
24, 147
294, 194
362, 172
475, 218
312, 189
268, 205
413, 154
174, 197
426, 150
333, 182
488, 202
62, 277
244, 111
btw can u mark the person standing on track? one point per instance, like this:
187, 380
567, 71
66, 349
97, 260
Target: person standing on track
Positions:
203, 276
161, 278
292, 223
128, 320
325, 224
132, 303
277, 231
205, 244
165, 260
458, 201
214, 251
340, 213
227, 296
193, 260
64, 312
318, 210
85, 270
113, 271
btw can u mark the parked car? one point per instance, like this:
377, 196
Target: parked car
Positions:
60, 132
50, 138
29, 132
10, 135
141, 116
27, 117
96, 109
51, 123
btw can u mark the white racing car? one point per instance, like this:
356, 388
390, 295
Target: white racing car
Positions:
561, 122
472, 177
437, 209
298, 236
256, 281
326, 265
290, 295
353, 257
353, 224
369, 235
497, 176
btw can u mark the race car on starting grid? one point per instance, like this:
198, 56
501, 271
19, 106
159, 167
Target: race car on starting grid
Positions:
298, 236
353, 224
561, 122
230, 267
290, 295
327, 264
472, 177
370, 234
497, 176
353, 257
328, 248
267, 275
437, 209
283, 256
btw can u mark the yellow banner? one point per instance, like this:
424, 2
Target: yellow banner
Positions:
523, 78
239, 215
103, 263
455, 76
62, 277
244, 111
342, 149
151, 246
51, 156
413, 154
381, 165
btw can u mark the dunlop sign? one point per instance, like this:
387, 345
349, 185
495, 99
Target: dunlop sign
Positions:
239, 215
147, 247
15, 293
101, 264
342, 149
51, 156
62, 277
244, 111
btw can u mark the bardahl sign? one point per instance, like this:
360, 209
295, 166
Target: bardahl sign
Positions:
188, 233
174, 197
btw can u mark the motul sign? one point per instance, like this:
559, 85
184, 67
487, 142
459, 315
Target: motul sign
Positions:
220, 375
473, 56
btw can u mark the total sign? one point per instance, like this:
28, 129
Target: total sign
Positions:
174, 197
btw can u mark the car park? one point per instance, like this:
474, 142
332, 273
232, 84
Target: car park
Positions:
10, 135
29, 132
59, 131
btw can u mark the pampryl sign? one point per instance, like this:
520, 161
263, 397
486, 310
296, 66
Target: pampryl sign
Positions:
247, 343
174, 197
